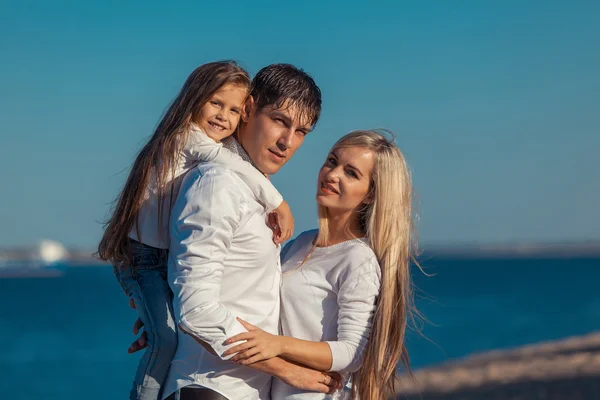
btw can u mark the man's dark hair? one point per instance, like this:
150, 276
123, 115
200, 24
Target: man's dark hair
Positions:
277, 83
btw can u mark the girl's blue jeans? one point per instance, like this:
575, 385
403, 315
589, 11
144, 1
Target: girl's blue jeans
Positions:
145, 281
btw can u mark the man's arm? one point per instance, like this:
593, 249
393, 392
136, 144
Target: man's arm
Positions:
207, 212
299, 376
293, 374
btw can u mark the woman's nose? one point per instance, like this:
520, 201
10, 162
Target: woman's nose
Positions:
333, 175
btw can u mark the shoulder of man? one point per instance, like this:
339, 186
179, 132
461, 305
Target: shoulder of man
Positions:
219, 173
209, 180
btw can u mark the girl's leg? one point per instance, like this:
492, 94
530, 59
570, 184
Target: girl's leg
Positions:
148, 288
155, 298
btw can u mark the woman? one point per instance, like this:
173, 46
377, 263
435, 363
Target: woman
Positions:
346, 291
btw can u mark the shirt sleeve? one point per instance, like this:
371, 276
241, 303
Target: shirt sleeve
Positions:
204, 149
356, 301
205, 215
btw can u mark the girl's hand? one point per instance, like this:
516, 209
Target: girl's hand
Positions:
259, 345
282, 223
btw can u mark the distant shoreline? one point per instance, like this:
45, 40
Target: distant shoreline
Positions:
517, 250
590, 249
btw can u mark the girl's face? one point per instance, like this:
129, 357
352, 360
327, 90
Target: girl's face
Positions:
345, 179
219, 117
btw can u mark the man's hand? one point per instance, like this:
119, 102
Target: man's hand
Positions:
281, 222
315, 381
141, 342
138, 344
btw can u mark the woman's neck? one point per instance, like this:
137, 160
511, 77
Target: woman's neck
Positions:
343, 227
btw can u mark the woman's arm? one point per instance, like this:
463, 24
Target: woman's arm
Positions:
261, 345
356, 302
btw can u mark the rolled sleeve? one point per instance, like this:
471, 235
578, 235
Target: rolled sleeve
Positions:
203, 220
356, 302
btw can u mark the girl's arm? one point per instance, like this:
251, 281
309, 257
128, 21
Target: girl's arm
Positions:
202, 148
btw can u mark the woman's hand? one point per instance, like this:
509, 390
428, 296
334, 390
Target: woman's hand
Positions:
259, 345
282, 223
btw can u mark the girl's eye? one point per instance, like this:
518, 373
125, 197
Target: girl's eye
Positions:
235, 111
352, 173
331, 160
214, 102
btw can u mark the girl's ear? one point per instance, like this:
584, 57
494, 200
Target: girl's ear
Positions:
247, 109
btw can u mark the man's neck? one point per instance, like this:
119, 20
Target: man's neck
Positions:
234, 144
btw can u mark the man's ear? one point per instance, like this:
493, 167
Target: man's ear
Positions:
248, 107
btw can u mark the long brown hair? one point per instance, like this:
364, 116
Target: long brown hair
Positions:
160, 156
387, 223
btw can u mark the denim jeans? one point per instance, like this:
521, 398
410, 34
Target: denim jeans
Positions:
145, 281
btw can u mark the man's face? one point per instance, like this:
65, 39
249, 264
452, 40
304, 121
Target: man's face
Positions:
271, 136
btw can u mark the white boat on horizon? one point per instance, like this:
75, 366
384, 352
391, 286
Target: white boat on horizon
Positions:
47, 259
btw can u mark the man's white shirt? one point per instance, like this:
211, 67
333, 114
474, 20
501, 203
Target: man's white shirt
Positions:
223, 264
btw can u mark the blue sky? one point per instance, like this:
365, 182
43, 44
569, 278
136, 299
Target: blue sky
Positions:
495, 104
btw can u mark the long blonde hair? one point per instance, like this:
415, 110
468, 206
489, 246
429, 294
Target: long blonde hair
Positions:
387, 222
160, 155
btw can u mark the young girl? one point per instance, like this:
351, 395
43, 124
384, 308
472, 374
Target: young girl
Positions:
346, 292
136, 238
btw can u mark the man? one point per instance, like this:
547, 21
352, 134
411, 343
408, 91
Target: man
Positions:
223, 263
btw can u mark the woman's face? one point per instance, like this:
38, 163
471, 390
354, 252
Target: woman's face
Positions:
345, 179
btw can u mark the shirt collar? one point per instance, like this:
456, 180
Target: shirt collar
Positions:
231, 144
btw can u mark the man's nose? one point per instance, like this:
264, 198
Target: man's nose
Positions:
285, 141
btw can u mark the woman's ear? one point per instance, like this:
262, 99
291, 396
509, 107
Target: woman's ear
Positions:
247, 109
